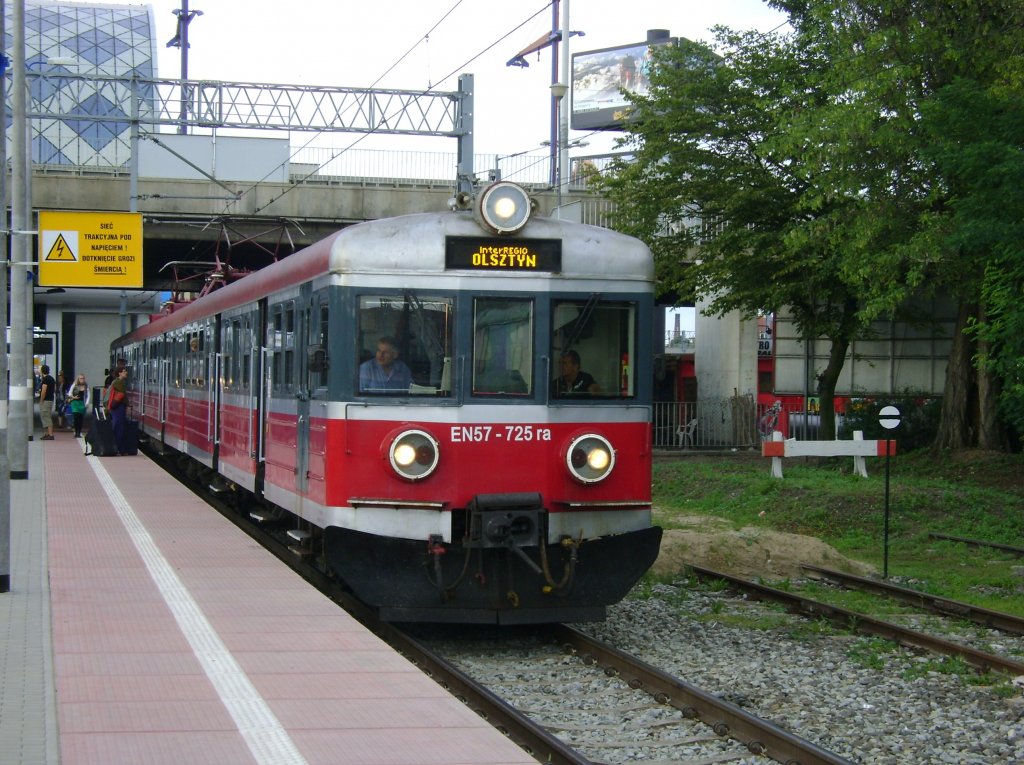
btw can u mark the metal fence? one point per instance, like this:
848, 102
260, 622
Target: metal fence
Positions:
734, 423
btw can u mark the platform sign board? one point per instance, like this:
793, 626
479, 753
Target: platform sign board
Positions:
90, 249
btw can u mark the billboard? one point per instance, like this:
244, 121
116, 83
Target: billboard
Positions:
600, 76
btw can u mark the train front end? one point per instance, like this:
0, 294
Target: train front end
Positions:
487, 457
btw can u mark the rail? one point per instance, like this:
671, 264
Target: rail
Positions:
865, 624
726, 719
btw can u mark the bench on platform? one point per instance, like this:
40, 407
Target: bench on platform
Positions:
858, 448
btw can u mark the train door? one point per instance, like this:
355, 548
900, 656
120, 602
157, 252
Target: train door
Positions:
262, 380
163, 386
213, 388
249, 350
303, 389
315, 365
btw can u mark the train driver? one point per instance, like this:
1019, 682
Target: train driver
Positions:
573, 380
384, 372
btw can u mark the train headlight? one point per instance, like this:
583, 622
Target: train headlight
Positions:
590, 458
414, 454
502, 207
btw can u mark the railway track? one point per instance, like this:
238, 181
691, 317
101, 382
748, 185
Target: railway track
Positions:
1018, 551
661, 717
933, 603
863, 623
614, 707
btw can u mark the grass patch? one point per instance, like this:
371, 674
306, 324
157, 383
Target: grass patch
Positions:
977, 495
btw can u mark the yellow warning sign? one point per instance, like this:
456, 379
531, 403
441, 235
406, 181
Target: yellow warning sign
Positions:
90, 249
61, 251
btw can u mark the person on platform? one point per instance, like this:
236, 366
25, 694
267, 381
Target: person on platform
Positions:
47, 393
59, 400
117, 405
384, 372
573, 380
78, 397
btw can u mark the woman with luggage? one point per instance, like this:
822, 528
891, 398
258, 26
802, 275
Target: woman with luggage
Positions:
117, 405
78, 402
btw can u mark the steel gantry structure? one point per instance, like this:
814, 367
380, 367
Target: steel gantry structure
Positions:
138, 104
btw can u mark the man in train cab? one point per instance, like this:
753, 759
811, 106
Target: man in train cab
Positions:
573, 380
384, 372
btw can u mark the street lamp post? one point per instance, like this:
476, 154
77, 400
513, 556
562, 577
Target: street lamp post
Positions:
5, 483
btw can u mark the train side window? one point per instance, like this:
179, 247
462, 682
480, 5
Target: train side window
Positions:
246, 344
276, 345
179, 370
317, 361
288, 379
227, 353
593, 346
503, 346
419, 329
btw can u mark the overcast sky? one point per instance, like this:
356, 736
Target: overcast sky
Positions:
428, 43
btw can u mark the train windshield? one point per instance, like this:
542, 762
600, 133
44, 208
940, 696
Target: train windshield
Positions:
405, 344
503, 346
592, 343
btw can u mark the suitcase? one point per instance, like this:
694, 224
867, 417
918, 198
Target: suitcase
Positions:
131, 437
99, 440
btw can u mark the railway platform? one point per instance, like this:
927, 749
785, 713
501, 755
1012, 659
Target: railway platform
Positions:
143, 628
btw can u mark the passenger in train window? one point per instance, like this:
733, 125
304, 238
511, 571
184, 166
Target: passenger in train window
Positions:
384, 372
573, 380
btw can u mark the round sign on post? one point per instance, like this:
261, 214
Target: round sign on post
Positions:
889, 417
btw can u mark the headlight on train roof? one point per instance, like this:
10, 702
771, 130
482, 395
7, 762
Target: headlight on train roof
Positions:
502, 207
414, 454
590, 458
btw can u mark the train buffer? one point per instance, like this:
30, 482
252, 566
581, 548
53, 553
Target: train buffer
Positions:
858, 448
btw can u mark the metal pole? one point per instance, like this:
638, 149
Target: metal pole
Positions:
5, 482
563, 110
21, 389
555, 101
183, 21
885, 533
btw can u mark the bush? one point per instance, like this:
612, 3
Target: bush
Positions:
919, 415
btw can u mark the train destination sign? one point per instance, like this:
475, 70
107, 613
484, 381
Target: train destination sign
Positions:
90, 249
480, 254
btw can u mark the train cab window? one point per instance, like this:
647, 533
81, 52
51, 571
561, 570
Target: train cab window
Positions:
593, 344
502, 346
404, 345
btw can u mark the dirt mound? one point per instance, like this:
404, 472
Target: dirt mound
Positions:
749, 552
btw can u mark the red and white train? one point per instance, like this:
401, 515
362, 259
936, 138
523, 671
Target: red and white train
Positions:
475, 492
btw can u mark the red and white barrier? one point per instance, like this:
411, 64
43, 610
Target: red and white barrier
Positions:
858, 448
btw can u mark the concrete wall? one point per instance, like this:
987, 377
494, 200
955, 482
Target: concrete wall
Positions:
902, 355
725, 356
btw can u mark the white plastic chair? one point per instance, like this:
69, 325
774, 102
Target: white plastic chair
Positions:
685, 434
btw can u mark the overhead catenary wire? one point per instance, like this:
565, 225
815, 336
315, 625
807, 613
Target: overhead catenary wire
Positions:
433, 87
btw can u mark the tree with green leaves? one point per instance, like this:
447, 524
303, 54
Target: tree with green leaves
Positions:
716, 186
802, 169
